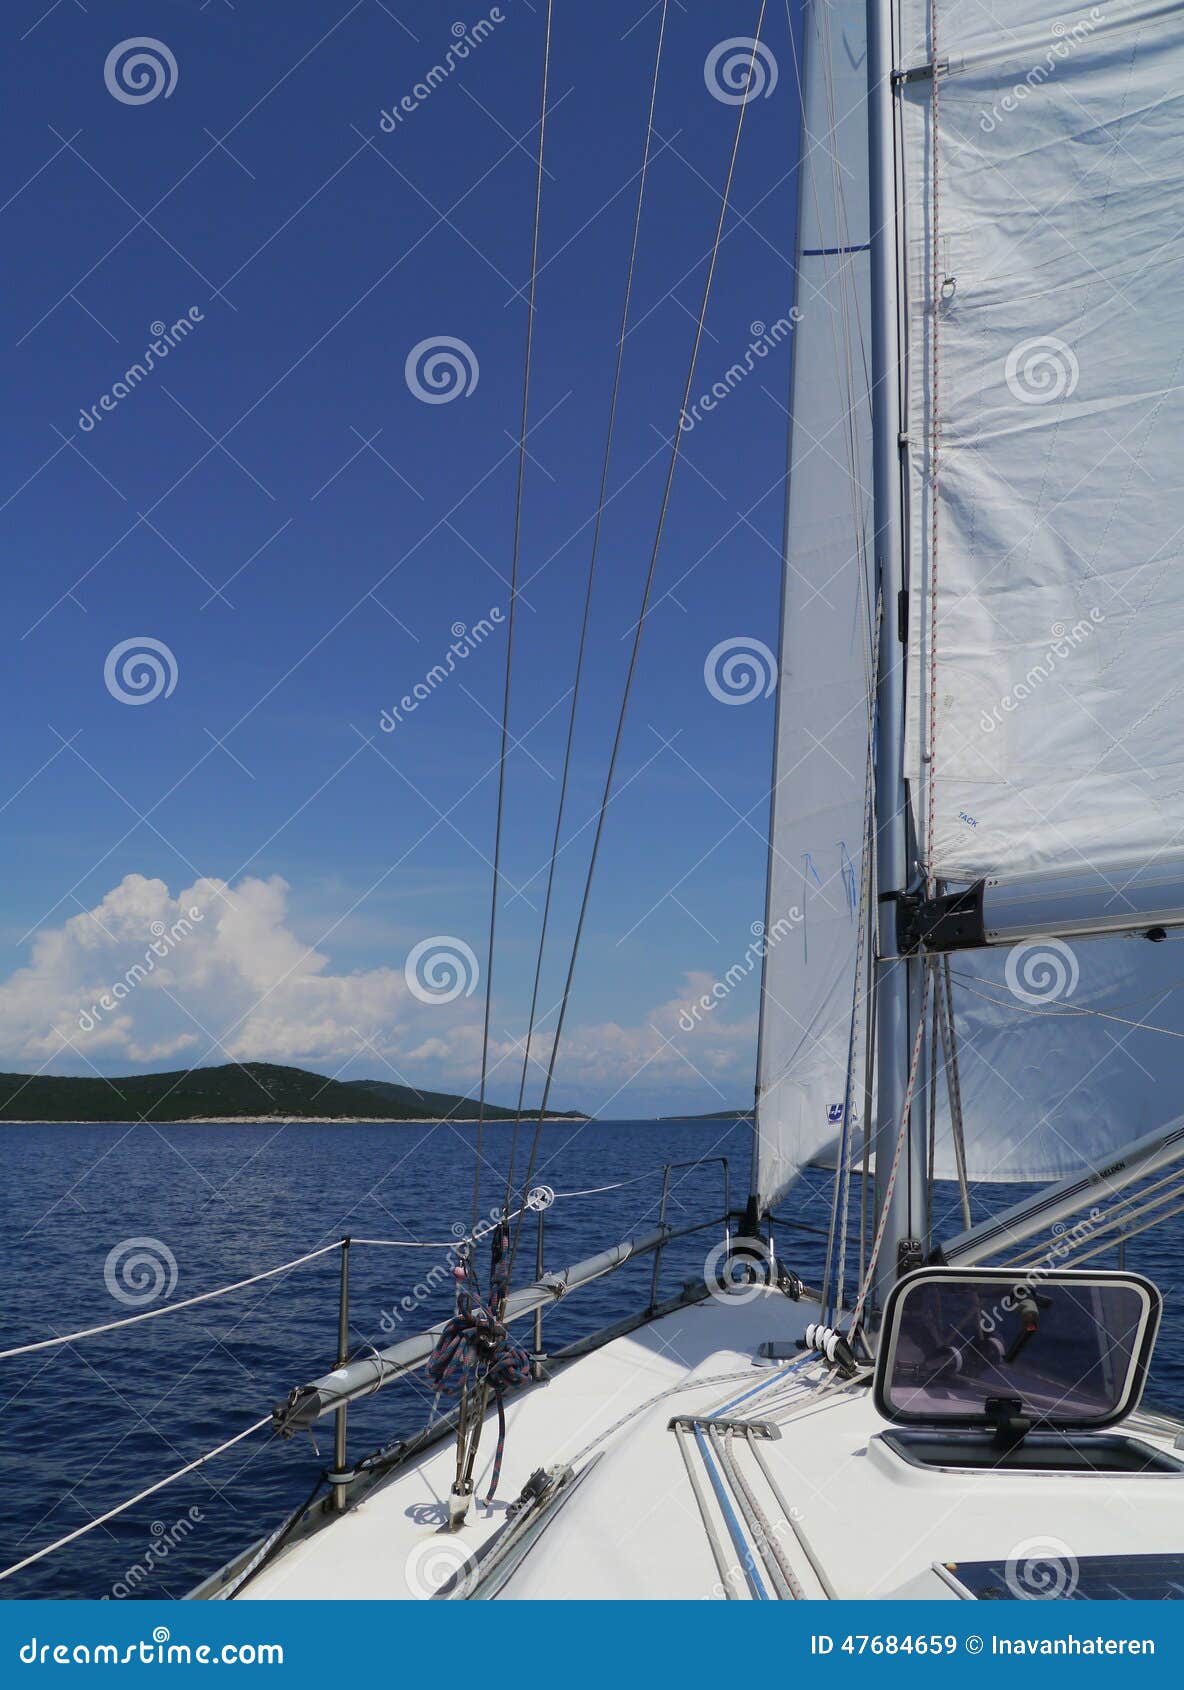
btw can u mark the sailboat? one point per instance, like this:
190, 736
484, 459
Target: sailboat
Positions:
975, 889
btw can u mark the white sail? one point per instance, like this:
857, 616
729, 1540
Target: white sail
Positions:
1044, 405
1063, 1053
1047, 594
815, 864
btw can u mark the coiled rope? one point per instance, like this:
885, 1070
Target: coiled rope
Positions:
475, 1357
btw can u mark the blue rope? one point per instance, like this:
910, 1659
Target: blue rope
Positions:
747, 1559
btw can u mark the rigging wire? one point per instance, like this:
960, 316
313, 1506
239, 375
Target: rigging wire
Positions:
840, 1207
901, 1139
639, 626
949, 1046
511, 617
591, 576
1068, 1010
935, 290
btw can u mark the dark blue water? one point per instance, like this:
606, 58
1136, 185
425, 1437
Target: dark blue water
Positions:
87, 1425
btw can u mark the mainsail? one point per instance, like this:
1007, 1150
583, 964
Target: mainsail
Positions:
818, 820
1045, 399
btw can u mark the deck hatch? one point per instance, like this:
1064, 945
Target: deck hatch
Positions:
986, 1348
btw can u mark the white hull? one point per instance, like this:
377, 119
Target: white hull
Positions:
849, 1517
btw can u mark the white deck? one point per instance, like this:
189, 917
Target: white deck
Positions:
874, 1525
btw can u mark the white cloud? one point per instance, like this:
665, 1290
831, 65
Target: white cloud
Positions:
217, 973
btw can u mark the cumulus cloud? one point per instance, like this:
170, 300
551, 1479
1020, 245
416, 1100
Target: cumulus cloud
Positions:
217, 973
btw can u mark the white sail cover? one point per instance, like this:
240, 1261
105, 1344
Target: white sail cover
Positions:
816, 857
1046, 686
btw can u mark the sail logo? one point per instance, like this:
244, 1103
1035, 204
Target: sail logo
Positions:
1041, 370
740, 69
1041, 971
740, 670
834, 1114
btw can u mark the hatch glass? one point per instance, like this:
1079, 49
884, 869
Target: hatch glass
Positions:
1062, 1349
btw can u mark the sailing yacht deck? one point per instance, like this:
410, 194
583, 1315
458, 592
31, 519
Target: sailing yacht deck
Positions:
847, 1515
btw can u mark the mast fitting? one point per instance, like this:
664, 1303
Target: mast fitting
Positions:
952, 921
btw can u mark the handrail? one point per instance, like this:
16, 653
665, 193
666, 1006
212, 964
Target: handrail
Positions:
309, 1403
673, 1167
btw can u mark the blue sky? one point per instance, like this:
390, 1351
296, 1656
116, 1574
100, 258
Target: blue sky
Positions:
276, 507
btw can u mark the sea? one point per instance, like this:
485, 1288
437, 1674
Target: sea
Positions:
98, 1222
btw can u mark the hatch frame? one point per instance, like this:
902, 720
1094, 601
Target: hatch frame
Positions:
1040, 1279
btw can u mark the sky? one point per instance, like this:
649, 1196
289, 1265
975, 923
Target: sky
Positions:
224, 838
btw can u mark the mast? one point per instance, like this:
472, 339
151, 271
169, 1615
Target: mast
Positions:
897, 982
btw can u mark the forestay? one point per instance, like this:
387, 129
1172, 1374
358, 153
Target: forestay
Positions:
823, 714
